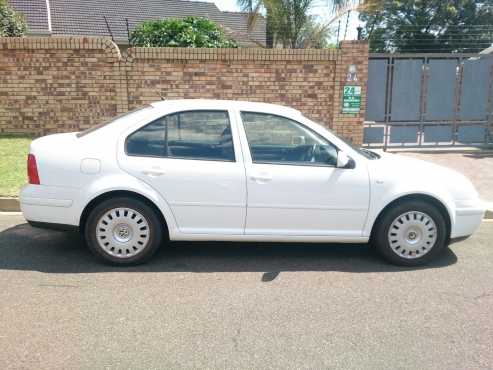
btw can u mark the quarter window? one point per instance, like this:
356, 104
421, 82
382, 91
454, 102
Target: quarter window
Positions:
275, 139
189, 135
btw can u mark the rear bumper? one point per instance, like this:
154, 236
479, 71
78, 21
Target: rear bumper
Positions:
49, 205
467, 220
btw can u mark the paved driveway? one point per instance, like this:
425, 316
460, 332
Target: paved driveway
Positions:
241, 306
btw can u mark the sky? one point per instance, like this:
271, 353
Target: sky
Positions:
321, 10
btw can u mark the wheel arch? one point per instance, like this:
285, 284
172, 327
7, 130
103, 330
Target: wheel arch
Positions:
440, 205
121, 193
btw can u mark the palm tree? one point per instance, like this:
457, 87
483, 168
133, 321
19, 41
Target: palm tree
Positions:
287, 20
254, 7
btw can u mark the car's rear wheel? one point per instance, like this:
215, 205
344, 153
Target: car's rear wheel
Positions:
123, 231
411, 233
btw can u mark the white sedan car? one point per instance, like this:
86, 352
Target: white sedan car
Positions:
239, 171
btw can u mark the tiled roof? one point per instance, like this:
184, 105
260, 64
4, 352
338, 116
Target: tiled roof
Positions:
35, 13
238, 21
74, 17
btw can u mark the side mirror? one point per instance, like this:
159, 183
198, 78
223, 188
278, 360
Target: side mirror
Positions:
344, 161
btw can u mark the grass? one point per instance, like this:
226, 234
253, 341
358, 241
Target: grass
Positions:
13, 159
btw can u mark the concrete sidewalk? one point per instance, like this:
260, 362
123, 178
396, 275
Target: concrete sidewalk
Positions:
475, 165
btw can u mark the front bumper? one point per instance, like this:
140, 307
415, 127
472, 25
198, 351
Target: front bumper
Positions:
467, 219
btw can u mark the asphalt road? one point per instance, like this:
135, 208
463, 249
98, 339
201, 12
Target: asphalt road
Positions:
242, 306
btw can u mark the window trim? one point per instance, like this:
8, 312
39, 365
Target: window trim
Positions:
303, 164
234, 160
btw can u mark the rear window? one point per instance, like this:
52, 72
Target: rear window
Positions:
114, 119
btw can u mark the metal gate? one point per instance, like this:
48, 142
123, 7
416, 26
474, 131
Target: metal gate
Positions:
429, 100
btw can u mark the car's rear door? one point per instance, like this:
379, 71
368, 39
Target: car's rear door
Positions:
193, 159
293, 185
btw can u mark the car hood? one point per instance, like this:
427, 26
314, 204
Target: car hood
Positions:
424, 175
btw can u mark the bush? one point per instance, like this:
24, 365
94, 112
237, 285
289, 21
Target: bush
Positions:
12, 24
191, 32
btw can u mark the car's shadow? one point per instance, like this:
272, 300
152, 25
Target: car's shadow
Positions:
25, 248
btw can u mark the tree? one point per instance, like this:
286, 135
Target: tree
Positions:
288, 21
193, 32
254, 8
429, 26
12, 24
314, 35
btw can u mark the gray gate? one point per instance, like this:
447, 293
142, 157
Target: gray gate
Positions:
429, 100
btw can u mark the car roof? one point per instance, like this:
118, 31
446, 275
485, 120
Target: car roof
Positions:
187, 104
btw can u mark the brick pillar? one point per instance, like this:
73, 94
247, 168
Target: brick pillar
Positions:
350, 53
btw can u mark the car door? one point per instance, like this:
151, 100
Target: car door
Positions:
293, 185
192, 159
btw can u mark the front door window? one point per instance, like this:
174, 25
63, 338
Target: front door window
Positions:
279, 140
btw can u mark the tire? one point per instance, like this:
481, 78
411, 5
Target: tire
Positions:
411, 233
123, 231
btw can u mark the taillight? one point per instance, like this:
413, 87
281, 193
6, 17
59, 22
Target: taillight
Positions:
32, 170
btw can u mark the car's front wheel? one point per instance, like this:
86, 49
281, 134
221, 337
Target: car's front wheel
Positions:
411, 233
123, 231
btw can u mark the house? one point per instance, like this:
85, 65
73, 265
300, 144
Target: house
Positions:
117, 18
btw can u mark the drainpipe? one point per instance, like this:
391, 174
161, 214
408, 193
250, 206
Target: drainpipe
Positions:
48, 12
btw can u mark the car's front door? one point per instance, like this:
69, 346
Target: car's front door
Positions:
192, 159
293, 185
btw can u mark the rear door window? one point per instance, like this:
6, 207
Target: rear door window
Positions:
200, 134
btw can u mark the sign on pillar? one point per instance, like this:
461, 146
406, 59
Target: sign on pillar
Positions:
351, 99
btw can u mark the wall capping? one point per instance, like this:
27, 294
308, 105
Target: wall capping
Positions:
63, 43
249, 54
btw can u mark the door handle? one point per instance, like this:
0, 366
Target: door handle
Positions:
261, 178
153, 172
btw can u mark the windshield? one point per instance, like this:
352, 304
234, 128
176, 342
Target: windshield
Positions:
106, 123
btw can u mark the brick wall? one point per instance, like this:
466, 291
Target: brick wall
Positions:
65, 84
301, 79
55, 85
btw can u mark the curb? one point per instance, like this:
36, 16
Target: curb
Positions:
12, 205
9, 205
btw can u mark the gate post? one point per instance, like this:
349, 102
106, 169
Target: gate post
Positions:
351, 71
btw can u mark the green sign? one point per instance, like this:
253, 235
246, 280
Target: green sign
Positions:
351, 99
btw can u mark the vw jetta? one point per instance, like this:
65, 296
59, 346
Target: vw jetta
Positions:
239, 171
